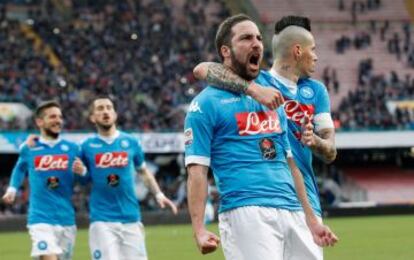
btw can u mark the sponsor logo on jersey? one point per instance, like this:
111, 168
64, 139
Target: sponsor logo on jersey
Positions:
230, 100
194, 107
95, 145
56, 162
188, 136
306, 92
267, 147
113, 180
111, 160
297, 112
52, 182
253, 123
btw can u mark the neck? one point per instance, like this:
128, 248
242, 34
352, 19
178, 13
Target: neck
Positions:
286, 70
107, 132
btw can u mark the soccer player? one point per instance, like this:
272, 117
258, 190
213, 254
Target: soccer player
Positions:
50, 165
246, 145
112, 158
307, 104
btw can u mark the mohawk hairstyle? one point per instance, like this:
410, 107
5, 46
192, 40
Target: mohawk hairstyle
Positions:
286, 21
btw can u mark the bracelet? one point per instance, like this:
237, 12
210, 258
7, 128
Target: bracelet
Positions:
159, 195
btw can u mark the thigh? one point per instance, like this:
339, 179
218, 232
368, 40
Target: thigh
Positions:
133, 242
44, 240
251, 233
104, 242
299, 240
66, 238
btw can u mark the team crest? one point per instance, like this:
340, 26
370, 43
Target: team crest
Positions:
268, 149
112, 180
124, 144
42, 245
52, 182
64, 147
97, 254
306, 92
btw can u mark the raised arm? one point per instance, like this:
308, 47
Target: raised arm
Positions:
219, 76
16, 179
197, 185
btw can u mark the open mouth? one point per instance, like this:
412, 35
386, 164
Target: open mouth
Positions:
254, 60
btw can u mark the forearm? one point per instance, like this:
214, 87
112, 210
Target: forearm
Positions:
324, 146
301, 191
150, 181
219, 76
197, 194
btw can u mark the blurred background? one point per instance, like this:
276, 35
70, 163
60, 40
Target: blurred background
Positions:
142, 54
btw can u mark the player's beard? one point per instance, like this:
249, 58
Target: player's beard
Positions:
240, 68
50, 133
104, 127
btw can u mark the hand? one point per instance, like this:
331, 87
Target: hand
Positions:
307, 137
31, 140
268, 96
163, 201
207, 242
322, 234
78, 167
9, 197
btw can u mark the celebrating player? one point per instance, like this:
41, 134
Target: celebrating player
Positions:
307, 104
50, 164
112, 158
247, 148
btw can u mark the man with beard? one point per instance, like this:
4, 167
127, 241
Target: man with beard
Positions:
51, 217
246, 145
112, 158
307, 104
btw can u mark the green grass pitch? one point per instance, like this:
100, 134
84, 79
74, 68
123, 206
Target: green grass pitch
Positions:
361, 238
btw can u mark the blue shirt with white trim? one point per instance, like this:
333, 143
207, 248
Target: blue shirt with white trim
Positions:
112, 168
308, 97
246, 147
49, 169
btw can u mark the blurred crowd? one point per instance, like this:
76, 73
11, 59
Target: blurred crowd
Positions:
140, 52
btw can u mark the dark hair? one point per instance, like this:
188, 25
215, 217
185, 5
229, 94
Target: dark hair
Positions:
45, 105
224, 33
286, 21
92, 102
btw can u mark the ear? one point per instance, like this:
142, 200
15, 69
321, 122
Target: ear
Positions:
225, 51
39, 122
297, 51
92, 119
116, 116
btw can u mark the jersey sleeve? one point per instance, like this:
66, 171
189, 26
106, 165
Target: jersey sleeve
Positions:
81, 154
20, 169
284, 125
139, 157
198, 133
322, 118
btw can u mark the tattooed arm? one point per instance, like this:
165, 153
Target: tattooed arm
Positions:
219, 76
321, 143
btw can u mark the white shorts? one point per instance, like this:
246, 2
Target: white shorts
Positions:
52, 240
116, 241
267, 234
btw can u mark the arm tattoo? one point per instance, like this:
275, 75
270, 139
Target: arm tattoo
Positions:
224, 78
324, 146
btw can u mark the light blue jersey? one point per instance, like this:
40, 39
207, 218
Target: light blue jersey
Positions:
112, 171
246, 147
50, 179
311, 99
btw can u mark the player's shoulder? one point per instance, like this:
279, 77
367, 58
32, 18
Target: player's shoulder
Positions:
312, 83
91, 141
69, 143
